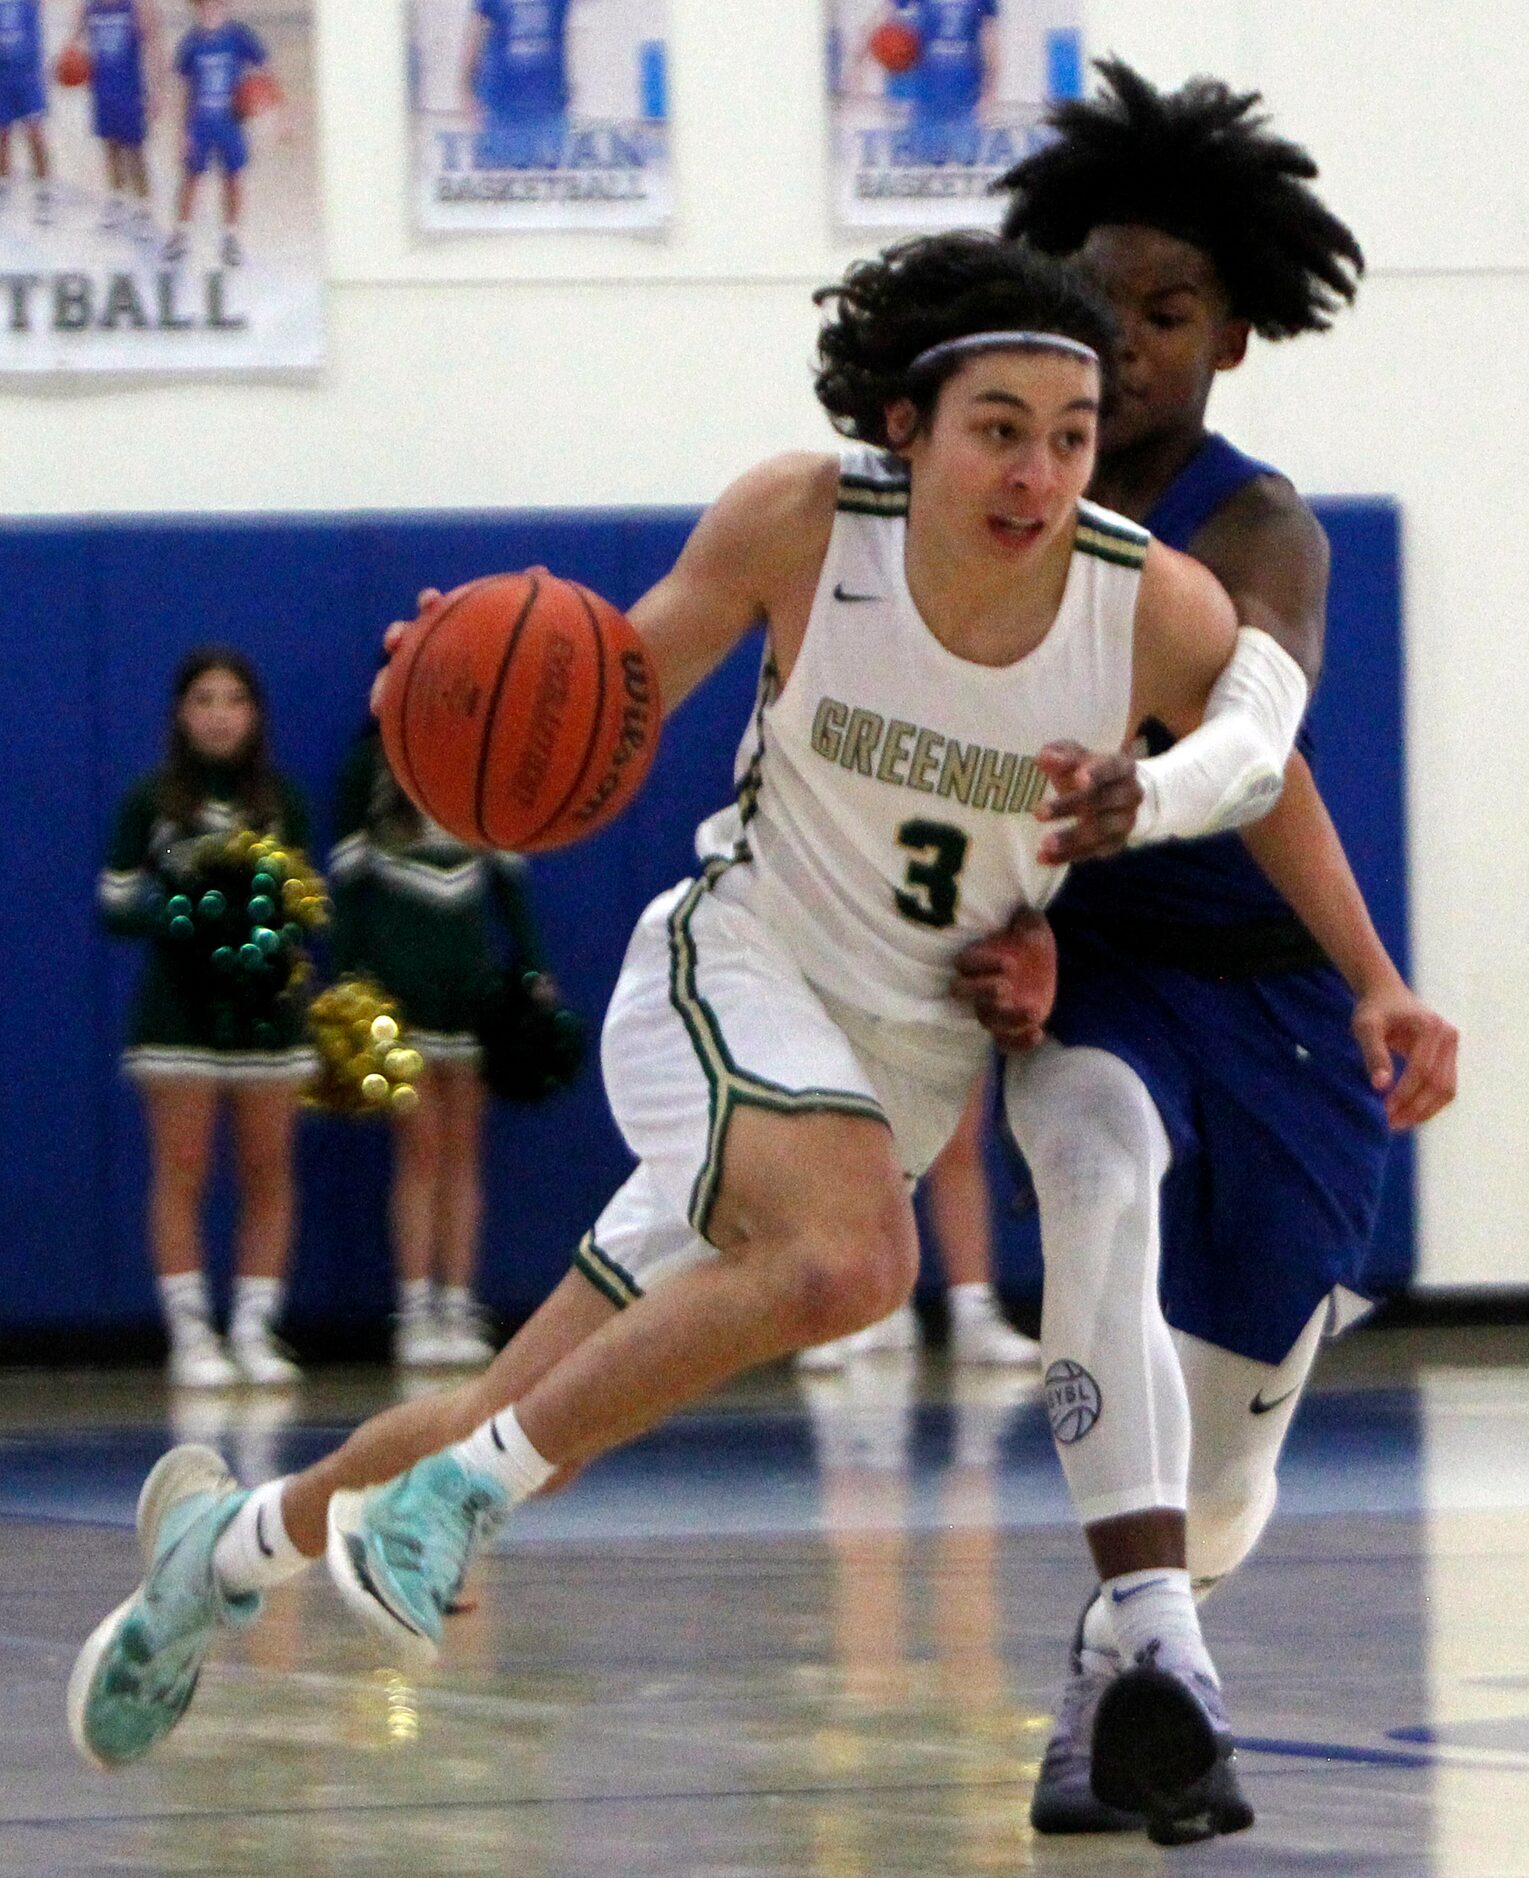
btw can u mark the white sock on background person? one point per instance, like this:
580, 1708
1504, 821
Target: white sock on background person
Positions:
184, 1301
257, 1305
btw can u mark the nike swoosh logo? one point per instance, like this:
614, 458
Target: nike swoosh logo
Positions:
369, 1585
1134, 1591
842, 593
260, 1532
1258, 1406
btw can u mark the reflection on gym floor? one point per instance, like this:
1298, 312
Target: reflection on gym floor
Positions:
815, 1628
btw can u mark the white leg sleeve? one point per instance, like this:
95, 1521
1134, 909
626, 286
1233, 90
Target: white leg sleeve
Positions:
1241, 1412
1098, 1152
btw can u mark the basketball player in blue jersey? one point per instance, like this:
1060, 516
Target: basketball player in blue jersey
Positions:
1220, 1071
516, 80
124, 41
23, 98
951, 628
210, 61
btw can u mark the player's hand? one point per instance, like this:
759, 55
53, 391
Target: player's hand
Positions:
1097, 794
1009, 980
1395, 1022
430, 601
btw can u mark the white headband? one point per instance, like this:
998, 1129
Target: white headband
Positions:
1005, 341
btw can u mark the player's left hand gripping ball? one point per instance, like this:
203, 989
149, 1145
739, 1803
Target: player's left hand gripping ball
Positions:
520, 711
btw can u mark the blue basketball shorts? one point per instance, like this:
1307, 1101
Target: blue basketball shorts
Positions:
21, 96
220, 137
119, 114
1279, 1143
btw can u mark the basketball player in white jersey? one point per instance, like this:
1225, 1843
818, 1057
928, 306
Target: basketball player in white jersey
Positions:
951, 630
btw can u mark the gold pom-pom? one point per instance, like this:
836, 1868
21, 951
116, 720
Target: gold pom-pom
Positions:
366, 1066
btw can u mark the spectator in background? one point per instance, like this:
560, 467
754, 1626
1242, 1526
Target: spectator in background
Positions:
414, 909
192, 1057
24, 99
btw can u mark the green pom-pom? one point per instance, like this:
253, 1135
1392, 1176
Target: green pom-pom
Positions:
292, 934
178, 907
181, 927
262, 909
212, 905
269, 942
224, 959
251, 957
263, 883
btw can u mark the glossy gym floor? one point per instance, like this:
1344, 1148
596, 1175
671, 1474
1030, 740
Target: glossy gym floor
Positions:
813, 1629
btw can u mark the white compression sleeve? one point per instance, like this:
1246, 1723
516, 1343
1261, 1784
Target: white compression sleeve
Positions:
1097, 1153
1231, 769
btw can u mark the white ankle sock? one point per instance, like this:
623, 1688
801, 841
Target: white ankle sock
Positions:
257, 1305
500, 1449
414, 1300
454, 1304
970, 1300
1157, 1606
255, 1550
1099, 1639
183, 1298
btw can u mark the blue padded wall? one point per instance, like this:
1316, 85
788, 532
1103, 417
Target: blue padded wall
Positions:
94, 617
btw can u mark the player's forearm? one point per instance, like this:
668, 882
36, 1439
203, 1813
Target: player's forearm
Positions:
1298, 847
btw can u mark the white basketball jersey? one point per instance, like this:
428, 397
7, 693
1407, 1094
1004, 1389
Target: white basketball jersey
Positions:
887, 793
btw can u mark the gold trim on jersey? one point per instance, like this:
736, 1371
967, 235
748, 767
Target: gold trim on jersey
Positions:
729, 1087
611, 1280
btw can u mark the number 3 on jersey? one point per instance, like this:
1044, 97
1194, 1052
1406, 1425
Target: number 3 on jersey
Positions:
930, 895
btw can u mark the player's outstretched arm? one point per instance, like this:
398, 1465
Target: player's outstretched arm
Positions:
1298, 847
1232, 694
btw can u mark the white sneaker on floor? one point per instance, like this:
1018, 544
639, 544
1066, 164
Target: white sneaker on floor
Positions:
463, 1342
198, 1359
980, 1333
417, 1343
899, 1331
261, 1360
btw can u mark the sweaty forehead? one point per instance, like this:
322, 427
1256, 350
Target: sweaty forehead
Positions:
1131, 260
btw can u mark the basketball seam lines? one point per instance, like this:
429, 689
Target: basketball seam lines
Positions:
491, 714
408, 685
581, 774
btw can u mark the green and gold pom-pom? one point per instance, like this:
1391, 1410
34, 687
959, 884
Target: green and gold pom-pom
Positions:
237, 926
366, 1064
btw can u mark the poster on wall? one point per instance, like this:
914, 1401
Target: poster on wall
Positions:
540, 114
159, 210
930, 101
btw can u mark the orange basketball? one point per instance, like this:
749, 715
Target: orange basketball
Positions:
895, 47
73, 66
256, 92
523, 713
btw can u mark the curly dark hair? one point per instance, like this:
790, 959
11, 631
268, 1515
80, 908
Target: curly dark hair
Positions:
182, 782
1201, 164
919, 293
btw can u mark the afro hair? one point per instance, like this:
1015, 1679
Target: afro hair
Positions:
1199, 163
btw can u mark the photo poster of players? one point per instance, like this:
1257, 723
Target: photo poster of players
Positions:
930, 101
159, 195
540, 114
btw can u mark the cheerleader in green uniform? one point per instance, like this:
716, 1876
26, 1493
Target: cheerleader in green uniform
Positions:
187, 1055
415, 909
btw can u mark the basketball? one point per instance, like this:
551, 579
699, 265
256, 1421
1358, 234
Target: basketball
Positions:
523, 713
895, 47
256, 92
73, 66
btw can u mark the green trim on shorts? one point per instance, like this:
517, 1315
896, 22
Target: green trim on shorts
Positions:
614, 1282
730, 1088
